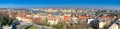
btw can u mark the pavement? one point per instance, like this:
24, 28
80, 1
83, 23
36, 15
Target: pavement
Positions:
6, 27
114, 26
21, 26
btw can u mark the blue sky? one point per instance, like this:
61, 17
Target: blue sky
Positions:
60, 3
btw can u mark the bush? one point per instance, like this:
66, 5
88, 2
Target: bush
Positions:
48, 24
58, 26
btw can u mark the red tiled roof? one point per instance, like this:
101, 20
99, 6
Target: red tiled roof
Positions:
105, 17
67, 18
52, 18
37, 19
82, 17
28, 18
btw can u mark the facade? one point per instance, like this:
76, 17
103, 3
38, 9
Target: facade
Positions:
52, 19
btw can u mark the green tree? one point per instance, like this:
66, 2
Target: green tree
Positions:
0, 22
7, 21
58, 26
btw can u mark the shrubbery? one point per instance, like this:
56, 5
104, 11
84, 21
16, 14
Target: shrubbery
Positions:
57, 26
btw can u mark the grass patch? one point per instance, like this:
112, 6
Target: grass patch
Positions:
32, 27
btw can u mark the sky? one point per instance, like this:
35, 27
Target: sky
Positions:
112, 4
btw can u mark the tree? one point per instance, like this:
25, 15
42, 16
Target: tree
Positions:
58, 26
0, 22
7, 21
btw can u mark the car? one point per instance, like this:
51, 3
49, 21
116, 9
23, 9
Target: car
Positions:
118, 22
